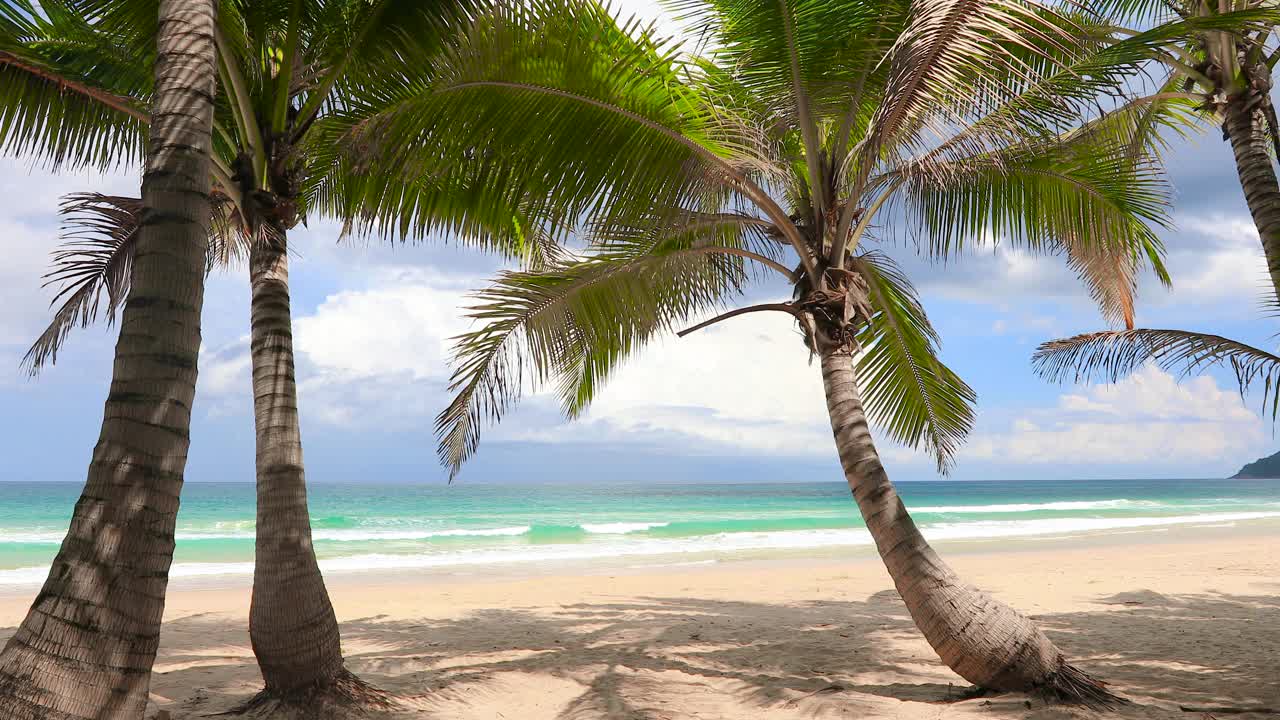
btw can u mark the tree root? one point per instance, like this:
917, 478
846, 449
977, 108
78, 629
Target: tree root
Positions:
1072, 686
346, 696
971, 692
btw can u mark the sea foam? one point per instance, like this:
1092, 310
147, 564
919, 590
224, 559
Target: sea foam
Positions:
619, 542
1068, 505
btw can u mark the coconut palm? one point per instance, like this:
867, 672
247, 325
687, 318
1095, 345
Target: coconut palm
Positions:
1222, 73
86, 647
285, 68
811, 130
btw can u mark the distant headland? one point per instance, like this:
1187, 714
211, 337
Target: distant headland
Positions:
1267, 467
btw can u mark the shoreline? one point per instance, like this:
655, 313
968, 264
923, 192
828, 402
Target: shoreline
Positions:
763, 559
1190, 617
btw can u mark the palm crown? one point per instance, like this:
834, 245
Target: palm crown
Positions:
78, 95
808, 131
1223, 73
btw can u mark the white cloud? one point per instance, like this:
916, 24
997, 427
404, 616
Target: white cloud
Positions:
402, 326
648, 11
1148, 419
1219, 258
363, 355
1212, 259
226, 369
743, 385
29, 201
369, 355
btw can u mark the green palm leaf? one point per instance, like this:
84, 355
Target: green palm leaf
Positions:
975, 118
522, 94
1109, 356
467, 204
1089, 199
572, 324
69, 93
908, 392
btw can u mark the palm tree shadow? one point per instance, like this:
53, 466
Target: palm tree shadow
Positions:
1197, 649
664, 658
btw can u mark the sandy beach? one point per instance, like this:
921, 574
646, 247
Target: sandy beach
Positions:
1186, 617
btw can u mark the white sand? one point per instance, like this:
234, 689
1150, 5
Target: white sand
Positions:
1190, 617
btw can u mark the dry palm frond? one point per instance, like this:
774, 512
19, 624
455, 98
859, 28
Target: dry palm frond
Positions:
1108, 356
93, 266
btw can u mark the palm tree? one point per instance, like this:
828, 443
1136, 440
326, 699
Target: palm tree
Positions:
86, 647
1222, 73
286, 71
1224, 70
812, 129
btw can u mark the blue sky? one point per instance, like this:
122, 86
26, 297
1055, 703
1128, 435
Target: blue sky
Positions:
735, 402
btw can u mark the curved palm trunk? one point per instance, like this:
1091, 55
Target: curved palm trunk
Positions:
86, 647
983, 640
291, 621
1246, 129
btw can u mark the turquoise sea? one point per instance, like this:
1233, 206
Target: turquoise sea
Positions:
371, 527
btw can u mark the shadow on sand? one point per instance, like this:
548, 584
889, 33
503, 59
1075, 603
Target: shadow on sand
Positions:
668, 658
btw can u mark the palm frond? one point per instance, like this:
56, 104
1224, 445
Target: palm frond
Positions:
605, 123
1089, 198
908, 392
1139, 12
472, 206
1109, 356
944, 61
782, 50
91, 268
1038, 77
572, 325
69, 93
808, 61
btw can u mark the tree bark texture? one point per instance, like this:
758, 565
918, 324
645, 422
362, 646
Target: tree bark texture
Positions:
1246, 129
983, 640
292, 624
86, 647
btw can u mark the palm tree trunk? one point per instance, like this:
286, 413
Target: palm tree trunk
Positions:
1246, 129
291, 620
86, 647
983, 640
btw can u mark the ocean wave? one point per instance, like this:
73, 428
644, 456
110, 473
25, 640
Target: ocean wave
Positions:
717, 545
1065, 505
33, 537
374, 535
621, 528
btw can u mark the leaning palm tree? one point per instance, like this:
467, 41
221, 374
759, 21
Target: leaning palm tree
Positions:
812, 130
86, 647
284, 70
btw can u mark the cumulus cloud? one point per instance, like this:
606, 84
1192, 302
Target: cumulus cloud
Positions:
1147, 419
1215, 257
1212, 258
380, 356
400, 326
29, 200
365, 356
743, 385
